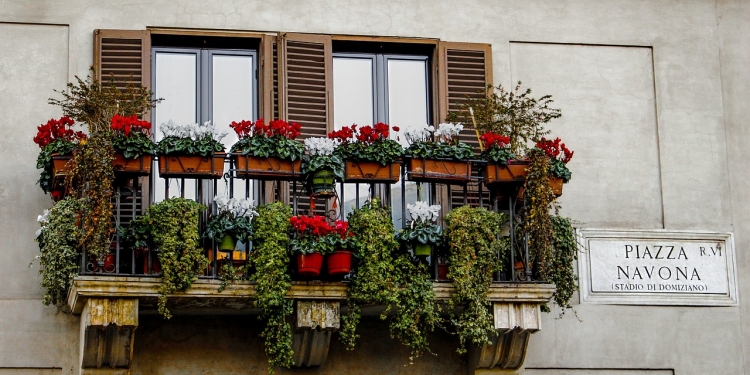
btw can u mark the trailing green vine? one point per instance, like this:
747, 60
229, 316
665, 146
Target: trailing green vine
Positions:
566, 252
271, 259
383, 275
473, 251
173, 225
58, 242
537, 224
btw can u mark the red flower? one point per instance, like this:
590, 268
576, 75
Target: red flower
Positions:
56, 129
491, 140
123, 126
555, 149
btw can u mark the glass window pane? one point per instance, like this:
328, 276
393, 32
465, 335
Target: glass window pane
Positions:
232, 100
407, 94
176, 75
352, 91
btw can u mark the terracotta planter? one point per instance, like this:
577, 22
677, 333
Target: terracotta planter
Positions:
433, 170
556, 184
514, 172
309, 265
339, 263
422, 250
140, 166
322, 183
371, 171
191, 166
442, 271
267, 168
60, 166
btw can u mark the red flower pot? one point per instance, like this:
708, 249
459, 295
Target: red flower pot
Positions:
443, 269
309, 265
339, 263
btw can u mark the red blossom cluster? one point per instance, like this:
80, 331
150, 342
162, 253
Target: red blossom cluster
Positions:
341, 228
315, 225
244, 128
555, 149
57, 129
126, 125
491, 139
366, 134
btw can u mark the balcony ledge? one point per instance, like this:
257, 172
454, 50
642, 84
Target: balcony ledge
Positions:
204, 295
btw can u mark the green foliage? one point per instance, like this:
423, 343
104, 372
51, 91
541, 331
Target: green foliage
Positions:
312, 164
562, 273
440, 150
271, 259
59, 241
382, 275
44, 161
417, 232
224, 223
383, 151
558, 169
135, 145
499, 155
277, 146
474, 254
513, 113
173, 228
537, 223
204, 146
310, 244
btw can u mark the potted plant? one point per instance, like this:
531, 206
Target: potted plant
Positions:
131, 140
191, 151
369, 154
339, 262
502, 164
321, 167
438, 155
57, 141
232, 222
310, 242
422, 233
135, 236
267, 151
559, 156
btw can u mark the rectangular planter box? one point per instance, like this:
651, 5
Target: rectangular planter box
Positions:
441, 171
270, 168
371, 172
514, 172
557, 185
60, 164
191, 166
140, 166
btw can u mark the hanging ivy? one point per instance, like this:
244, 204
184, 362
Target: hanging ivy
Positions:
537, 223
565, 253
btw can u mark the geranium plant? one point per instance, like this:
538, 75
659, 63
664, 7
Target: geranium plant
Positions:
443, 143
423, 228
320, 156
559, 156
368, 143
275, 139
131, 137
54, 137
191, 139
313, 234
496, 148
233, 218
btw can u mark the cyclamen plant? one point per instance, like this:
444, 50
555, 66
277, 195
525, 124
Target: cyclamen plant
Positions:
314, 234
275, 139
55, 137
440, 143
559, 156
368, 143
195, 139
423, 228
131, 137
496, 148
233, 217
321, 156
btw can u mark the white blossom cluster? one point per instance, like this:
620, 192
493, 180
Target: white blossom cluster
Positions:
320, 146
42, 219
447, 131
192, 131
422, 134
237, 207
421, 211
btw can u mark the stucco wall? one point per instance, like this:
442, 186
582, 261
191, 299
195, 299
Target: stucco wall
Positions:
653, 95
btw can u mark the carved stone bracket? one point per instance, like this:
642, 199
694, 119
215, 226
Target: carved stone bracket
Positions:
107, 330
514, 322
314, 323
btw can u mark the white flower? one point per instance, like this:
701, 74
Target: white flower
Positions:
192, 131
421, 211
320, 146
447, 131
44, 217
242, 207
419, 134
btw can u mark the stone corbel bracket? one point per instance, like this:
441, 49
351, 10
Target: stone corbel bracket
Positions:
107, 331
314, 323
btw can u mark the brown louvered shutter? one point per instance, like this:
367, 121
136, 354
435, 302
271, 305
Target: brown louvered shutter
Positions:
305, 87
123, 56
465, 69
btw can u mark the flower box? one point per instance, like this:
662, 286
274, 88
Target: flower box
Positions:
370, 172
192, 166
556, 183
514, 172
436, 170
270, 168
140, 166
60, 164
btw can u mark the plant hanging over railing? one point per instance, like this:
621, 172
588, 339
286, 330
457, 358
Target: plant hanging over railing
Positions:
55, 137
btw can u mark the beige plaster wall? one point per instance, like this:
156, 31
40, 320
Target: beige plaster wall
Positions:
684, 108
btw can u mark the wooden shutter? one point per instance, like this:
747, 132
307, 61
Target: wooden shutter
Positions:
123, 56
464, 70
